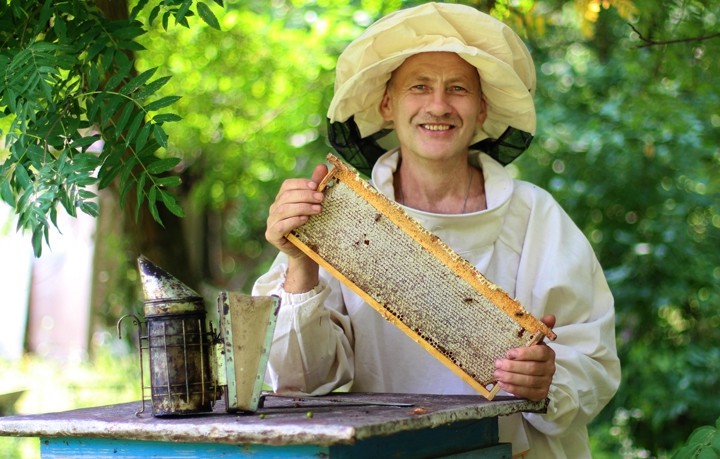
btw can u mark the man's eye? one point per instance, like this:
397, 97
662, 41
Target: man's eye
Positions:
457, 89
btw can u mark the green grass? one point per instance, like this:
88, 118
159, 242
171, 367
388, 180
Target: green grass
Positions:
53, 386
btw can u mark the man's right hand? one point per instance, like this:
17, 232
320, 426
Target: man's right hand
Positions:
295, 202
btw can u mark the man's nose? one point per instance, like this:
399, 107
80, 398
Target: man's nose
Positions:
439, 103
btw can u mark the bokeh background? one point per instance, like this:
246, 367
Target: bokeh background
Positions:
628, 142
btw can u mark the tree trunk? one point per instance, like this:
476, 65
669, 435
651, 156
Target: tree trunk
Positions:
120, 239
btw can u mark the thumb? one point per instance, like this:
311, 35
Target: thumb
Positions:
549, 320
319, 173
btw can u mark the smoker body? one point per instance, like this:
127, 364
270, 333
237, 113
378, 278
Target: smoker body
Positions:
190, 365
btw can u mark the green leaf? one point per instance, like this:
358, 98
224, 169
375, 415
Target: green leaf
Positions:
182, 11
715, 444
160, 135
139, 194
168, 181
123, 61
110, 109
91, 208
107, 61
22, 178
95, 49
166, 117
138, 7
128, 32
137, 81
153, 15
142, 138
37, 241
152, 204
36, 154
171, 203
152, 87
685, 452
95, 106
707, 453
117, 78
133, 127
60, 27
130, 45
207, 15
161, 103
124, 118
6, 193
85, 142
701, 435
93, 78
125, 183
162, 165
45, 14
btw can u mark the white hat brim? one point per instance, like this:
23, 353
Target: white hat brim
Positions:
503, 62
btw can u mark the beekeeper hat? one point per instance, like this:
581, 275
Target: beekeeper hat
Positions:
506, 70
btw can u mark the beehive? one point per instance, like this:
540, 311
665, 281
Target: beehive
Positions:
414, 280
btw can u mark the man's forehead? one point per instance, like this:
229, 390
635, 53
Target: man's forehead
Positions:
425, 66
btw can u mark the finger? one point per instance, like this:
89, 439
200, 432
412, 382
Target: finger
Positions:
506, 367
531, 353
296, 200
319, 173
549, 320
531, 383
535, 394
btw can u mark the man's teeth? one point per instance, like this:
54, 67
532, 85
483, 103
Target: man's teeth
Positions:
436, 127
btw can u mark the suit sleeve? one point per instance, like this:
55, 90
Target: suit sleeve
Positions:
311, 353
559, 274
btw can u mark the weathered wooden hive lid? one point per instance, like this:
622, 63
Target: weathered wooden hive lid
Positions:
164, 293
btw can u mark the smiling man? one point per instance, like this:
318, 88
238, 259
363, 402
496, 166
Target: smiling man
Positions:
448, 91
435, 103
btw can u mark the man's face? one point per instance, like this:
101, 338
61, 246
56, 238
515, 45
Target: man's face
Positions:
435, 102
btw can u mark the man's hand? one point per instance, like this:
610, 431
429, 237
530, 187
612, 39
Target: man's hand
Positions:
295, 202
527, 372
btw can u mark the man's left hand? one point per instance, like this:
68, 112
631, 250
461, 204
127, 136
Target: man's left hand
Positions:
527, 372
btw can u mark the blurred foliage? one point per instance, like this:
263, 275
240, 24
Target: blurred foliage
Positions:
69, 86
628, 142
112, 377
704, 443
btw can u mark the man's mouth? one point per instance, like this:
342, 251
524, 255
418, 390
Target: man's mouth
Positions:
436, 127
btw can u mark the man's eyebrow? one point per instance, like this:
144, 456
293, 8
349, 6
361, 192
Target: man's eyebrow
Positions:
452, 80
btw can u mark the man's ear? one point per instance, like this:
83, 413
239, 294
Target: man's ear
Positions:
385, 107
483, 112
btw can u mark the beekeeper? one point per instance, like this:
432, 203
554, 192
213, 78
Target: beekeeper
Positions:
432, 102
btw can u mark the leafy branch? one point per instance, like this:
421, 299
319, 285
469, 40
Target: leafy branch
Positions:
76, 117
647, 42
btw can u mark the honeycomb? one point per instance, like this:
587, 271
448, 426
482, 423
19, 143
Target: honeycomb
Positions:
414, 280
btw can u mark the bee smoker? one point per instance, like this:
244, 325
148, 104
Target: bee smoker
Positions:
190, 365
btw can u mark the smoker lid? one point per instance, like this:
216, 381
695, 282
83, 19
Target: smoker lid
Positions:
161, 286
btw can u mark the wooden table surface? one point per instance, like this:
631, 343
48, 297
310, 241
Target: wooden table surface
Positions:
335, 419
